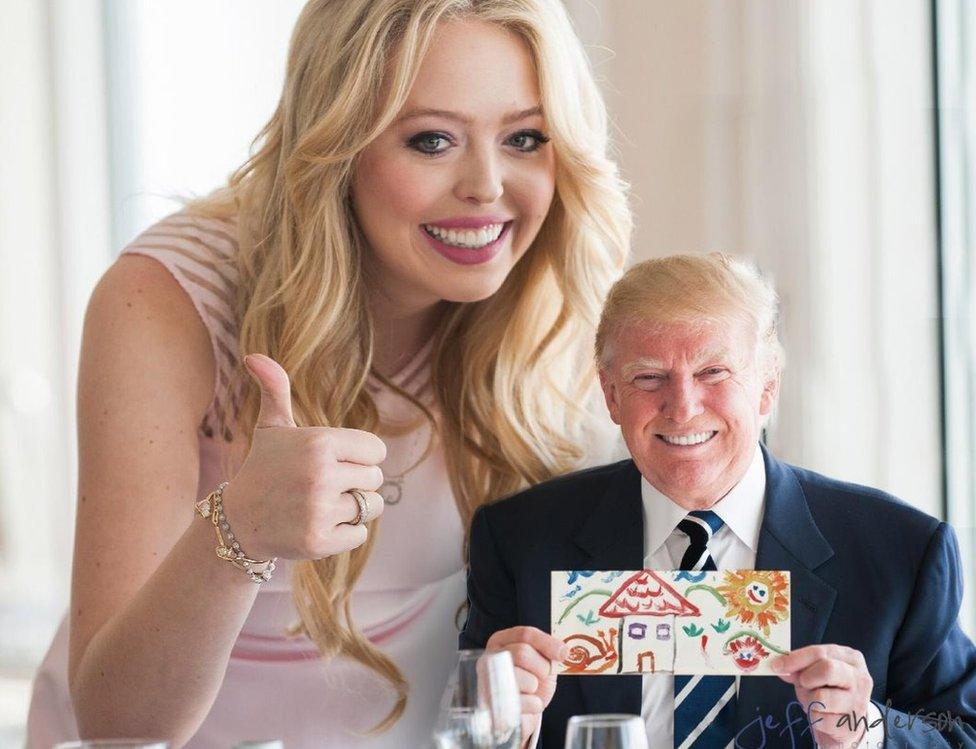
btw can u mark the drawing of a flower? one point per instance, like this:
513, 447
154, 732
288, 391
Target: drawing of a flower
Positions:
758, 596
747, 652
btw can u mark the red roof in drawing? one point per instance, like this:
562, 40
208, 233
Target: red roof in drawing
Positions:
646, 594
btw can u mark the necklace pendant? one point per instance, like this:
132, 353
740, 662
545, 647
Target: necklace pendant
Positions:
392, 491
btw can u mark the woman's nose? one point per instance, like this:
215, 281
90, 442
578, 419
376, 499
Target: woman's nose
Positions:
479, 181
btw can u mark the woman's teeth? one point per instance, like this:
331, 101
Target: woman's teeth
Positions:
688, 439
468, 238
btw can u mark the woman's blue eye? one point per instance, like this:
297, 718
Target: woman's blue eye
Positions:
429, 143
528, 140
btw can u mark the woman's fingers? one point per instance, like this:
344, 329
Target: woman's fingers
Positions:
344, 538
346, 476
356, 446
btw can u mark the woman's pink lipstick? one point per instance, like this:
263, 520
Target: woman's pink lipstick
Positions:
464, 255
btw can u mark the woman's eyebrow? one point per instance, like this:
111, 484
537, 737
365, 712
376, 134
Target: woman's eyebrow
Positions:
467, 119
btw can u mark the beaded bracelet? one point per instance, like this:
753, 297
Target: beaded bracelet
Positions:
229, 548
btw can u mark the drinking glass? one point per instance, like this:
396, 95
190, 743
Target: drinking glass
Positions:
114, 744
481, 708
606, 732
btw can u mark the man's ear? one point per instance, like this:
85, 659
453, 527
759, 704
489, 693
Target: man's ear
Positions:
610, 395
770, 394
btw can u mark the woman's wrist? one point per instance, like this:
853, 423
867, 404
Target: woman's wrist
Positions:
229, 547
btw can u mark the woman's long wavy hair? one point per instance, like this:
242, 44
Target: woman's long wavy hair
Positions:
507, 372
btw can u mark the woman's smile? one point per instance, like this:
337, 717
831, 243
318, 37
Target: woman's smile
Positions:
472, 245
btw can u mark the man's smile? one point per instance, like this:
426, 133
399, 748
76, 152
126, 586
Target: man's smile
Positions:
686, 440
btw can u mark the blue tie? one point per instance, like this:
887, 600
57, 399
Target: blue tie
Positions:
704, 706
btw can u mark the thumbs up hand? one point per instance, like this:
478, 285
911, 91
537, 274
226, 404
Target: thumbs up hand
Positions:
291, 497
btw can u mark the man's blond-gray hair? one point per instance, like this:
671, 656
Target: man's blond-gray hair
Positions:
698, 290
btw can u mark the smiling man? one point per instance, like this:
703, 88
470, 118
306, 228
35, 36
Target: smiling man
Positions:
690, 366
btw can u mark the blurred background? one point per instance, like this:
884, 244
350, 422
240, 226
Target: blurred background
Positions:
833, 141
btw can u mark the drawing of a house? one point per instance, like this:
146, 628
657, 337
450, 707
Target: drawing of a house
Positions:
647, 607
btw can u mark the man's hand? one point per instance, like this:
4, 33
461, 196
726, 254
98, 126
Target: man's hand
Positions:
831, 681
536, 656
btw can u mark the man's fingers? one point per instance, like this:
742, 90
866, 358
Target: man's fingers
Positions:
528, 658
527, 683
827, 673
801, 658
275, 388
827, 700
531, 705
549, 647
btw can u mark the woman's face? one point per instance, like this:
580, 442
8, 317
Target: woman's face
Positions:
453, 192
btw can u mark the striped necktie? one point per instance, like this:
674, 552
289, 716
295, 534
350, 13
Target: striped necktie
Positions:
704, 706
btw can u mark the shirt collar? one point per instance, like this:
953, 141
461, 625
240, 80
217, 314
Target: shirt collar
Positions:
741, 509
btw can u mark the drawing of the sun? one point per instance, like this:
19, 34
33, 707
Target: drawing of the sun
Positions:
756, 596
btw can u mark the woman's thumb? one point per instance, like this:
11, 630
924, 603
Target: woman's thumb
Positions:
275, 391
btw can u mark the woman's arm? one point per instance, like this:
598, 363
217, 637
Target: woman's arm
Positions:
154, 613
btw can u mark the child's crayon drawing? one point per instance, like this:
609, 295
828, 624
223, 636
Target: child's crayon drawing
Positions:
671, 621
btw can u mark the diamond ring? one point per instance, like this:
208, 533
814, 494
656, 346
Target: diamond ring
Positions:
360, 498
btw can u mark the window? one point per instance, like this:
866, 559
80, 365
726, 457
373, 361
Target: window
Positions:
955, 35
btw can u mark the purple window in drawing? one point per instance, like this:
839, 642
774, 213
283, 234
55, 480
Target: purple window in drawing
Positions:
637, 631
664, 631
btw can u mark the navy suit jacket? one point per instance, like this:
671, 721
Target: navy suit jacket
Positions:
867, 571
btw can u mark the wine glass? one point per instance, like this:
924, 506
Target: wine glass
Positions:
482, 707
606, 732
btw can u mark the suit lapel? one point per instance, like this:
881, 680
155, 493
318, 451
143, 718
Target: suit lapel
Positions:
788, 540
612, 538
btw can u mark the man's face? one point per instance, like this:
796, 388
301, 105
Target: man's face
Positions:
690, 401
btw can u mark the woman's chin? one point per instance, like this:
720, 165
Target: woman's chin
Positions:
469, 290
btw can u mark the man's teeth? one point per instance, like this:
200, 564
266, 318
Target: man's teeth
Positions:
688, 439
467, 238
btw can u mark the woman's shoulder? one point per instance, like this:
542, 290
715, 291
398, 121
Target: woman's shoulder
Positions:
199, 252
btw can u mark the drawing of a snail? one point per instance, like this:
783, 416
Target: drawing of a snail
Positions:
591, 654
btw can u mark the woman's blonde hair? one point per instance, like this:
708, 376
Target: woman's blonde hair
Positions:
695, 289
506, 370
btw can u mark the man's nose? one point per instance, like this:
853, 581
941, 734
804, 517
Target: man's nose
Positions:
682, 401
480, 179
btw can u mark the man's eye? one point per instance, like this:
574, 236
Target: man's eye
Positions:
528, 140
647, 380
713, 373
430, 143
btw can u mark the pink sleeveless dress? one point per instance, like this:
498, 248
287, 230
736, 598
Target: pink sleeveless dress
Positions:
277, 686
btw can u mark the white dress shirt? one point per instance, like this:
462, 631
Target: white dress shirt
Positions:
732, 547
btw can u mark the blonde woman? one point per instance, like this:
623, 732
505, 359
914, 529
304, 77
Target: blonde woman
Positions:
389, 304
